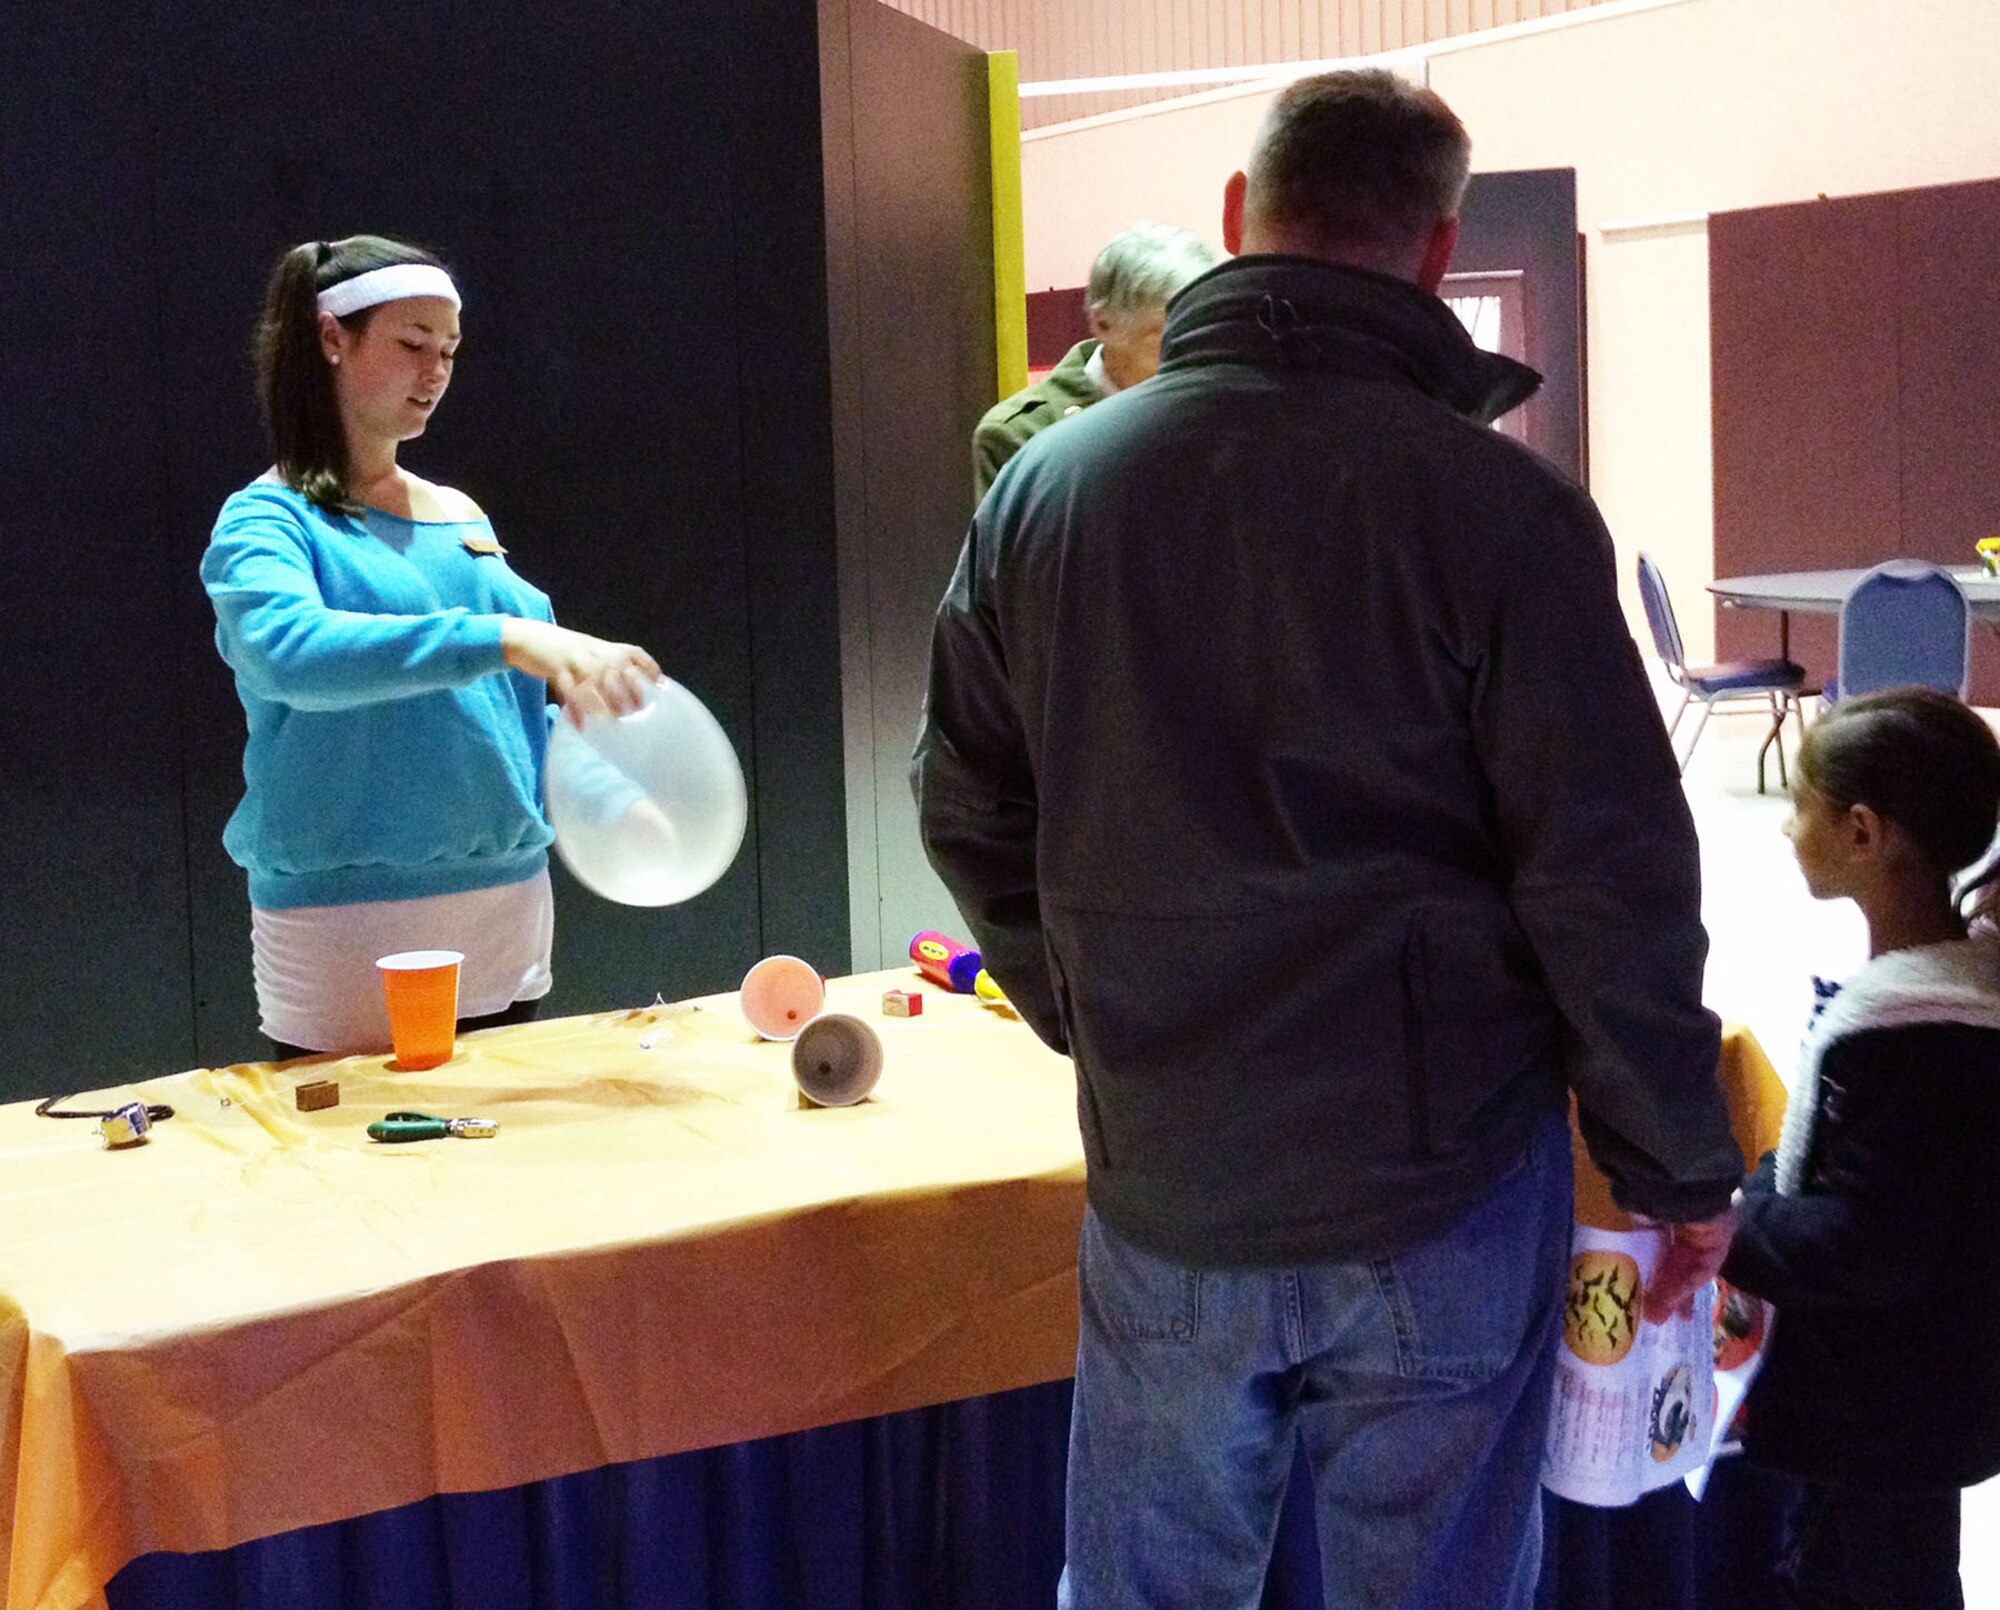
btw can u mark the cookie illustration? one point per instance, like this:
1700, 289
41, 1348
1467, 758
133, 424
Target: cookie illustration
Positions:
1601, 1314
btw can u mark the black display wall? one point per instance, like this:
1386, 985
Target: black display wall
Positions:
633, 202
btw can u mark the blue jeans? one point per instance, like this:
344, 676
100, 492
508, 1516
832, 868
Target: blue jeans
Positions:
1420, 1384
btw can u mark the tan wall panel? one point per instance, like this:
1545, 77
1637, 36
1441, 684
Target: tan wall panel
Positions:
1369, 27
1061, 39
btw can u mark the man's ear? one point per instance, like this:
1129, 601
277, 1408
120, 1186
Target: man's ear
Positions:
1437, 255
1232, 212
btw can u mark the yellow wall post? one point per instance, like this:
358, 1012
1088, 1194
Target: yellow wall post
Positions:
1010, 268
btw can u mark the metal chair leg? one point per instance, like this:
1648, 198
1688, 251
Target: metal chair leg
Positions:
1707, 710
1774, 736
1674, 725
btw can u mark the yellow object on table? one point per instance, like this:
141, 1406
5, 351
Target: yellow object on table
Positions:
264, 1320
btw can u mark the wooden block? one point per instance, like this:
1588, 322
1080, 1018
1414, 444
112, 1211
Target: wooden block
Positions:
903, 1003
316, 1094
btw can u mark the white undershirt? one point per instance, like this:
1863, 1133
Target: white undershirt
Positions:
317, 985
1095, 372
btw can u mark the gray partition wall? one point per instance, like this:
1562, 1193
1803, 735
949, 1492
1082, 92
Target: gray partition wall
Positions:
1524, 224
910, 277
639, 208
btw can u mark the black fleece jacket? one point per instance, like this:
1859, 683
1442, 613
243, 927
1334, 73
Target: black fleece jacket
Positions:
1884, 1369
1289, 756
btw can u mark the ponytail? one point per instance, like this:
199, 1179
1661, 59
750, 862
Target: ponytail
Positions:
1978, 897
295, 383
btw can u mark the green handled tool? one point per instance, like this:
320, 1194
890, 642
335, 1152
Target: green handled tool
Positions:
401, 1126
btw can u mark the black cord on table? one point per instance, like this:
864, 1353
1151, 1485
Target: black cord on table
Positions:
157, 1112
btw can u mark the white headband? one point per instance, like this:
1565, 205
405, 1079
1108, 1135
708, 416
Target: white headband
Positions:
389, 284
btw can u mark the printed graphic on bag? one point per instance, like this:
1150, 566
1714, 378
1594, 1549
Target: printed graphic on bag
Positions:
1673, 1413
1739, 1326
1601, 1315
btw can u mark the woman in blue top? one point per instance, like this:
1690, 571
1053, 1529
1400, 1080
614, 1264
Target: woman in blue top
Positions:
394, 671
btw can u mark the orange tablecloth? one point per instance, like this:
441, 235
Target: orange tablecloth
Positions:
262, 1321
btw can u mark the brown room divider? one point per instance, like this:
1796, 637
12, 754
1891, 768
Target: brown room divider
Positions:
1855, 374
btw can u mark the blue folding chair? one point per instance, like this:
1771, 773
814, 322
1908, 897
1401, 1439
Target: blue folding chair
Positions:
1903, 624
1775, 683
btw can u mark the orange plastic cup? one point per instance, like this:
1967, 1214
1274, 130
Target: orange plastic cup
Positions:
421, 987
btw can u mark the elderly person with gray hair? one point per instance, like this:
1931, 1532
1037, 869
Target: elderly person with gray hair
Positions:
1289, 756
1131, 282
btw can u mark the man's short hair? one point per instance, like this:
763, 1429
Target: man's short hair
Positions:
1142, 268
1360, 160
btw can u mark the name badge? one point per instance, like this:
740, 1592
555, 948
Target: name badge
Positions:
483, 545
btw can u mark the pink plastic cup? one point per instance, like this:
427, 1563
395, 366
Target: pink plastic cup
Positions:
781, 995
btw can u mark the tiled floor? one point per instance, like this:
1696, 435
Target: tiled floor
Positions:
1767, 938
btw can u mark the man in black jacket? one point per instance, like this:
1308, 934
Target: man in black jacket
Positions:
1288, 754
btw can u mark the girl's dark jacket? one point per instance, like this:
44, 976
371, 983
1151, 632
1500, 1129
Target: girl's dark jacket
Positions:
1884, 1261
1290, 757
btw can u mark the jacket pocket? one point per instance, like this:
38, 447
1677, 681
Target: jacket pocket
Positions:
1090, 1119
1416, 1055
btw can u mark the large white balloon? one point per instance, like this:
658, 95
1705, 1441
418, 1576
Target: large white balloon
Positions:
648, 809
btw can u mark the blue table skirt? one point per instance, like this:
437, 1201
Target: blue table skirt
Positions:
957, 1507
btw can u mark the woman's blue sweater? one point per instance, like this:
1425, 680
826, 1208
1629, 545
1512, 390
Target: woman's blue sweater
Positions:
391, 752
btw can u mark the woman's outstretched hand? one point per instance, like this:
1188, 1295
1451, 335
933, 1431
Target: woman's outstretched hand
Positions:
588, 675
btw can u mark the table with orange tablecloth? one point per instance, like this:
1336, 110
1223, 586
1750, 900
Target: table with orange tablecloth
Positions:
262, 1321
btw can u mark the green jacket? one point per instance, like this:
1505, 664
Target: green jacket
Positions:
1006, 426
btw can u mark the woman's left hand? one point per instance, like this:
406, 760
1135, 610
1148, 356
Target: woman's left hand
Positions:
615, 689
589, 676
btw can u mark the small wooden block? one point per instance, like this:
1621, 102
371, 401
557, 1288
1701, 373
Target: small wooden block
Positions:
902, 1003
316, 1094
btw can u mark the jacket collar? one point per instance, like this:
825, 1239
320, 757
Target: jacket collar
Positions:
1302, 313
1955, 982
